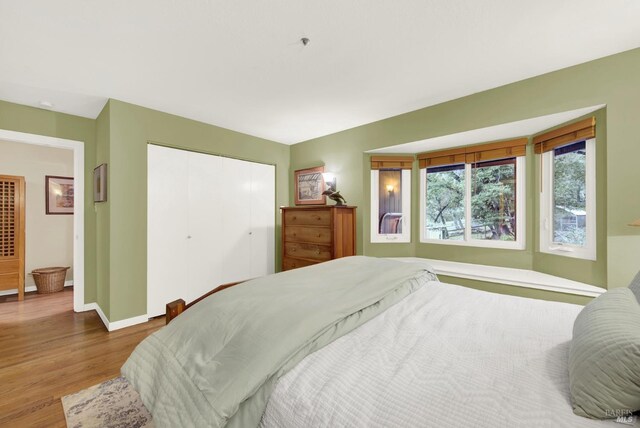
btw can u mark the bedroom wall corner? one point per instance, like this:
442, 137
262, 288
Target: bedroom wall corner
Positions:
102, 211
131, 129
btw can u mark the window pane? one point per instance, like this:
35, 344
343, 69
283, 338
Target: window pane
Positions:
445, 202
570, 194
493, 200
390, 201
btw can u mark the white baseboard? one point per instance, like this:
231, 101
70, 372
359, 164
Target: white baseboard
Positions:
95, 307
115, 325
30, 288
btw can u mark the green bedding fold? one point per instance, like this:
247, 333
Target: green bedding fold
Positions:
217, 364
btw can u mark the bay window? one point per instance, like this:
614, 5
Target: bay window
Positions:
567, 198
474, 195
391, 199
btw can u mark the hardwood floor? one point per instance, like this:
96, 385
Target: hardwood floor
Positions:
48, 351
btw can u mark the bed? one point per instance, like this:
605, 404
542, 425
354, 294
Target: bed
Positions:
417, 352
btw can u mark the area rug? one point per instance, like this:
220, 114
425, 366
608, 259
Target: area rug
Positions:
111, 404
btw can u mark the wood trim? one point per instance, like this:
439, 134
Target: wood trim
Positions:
443, 157
392, 162
14, 276
177, 307
21, 236
582, 130
442, 153
473, 154
500, 153
518, 142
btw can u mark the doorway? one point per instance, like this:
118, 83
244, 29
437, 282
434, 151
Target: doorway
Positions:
78, 219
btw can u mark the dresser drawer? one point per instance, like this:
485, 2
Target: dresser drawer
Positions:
307, 251
290, 263
314, 235
308, 217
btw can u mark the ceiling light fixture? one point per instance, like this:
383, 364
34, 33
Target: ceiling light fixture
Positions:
305, 41
46, 104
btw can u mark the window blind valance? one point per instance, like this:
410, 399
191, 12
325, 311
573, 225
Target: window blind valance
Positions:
578, 131
474, 154
391, 162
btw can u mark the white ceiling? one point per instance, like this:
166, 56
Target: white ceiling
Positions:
520, 128
239, 64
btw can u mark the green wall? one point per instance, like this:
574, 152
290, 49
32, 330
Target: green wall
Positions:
131, 128
115, 231
614, 81
15, 117
102, 209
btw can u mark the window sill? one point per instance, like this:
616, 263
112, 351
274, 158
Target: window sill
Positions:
510, 276
390, 239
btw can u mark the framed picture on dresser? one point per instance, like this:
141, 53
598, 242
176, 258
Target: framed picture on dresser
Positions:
309, 186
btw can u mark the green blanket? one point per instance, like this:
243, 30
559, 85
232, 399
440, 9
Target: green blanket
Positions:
218, 363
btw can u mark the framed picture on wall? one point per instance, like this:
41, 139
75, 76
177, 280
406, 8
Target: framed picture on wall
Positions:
58, 195
309, 186
100, 183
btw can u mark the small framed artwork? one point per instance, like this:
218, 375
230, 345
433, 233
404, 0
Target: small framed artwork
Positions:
58, 195
100, 183
309, 186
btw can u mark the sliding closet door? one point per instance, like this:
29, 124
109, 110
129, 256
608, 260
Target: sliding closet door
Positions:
235, 236
205, 187
211, 220
263, 202
167, 227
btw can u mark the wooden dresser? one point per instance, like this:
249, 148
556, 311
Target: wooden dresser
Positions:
315, 234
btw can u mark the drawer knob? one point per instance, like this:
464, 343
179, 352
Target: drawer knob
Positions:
293, 249
294, 217
319, 235
318, 251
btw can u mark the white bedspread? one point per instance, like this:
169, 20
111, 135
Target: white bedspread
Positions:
446, 356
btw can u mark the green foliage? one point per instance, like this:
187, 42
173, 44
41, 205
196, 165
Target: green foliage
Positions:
569, 186
493, 202
445, 200
569, 190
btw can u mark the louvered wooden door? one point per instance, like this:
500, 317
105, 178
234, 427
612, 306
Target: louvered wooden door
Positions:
12, 222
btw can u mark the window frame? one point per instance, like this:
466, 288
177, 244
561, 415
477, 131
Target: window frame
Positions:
391, 238
588, 252
518, 244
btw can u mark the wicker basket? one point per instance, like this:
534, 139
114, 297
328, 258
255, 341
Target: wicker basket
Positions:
49, 280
